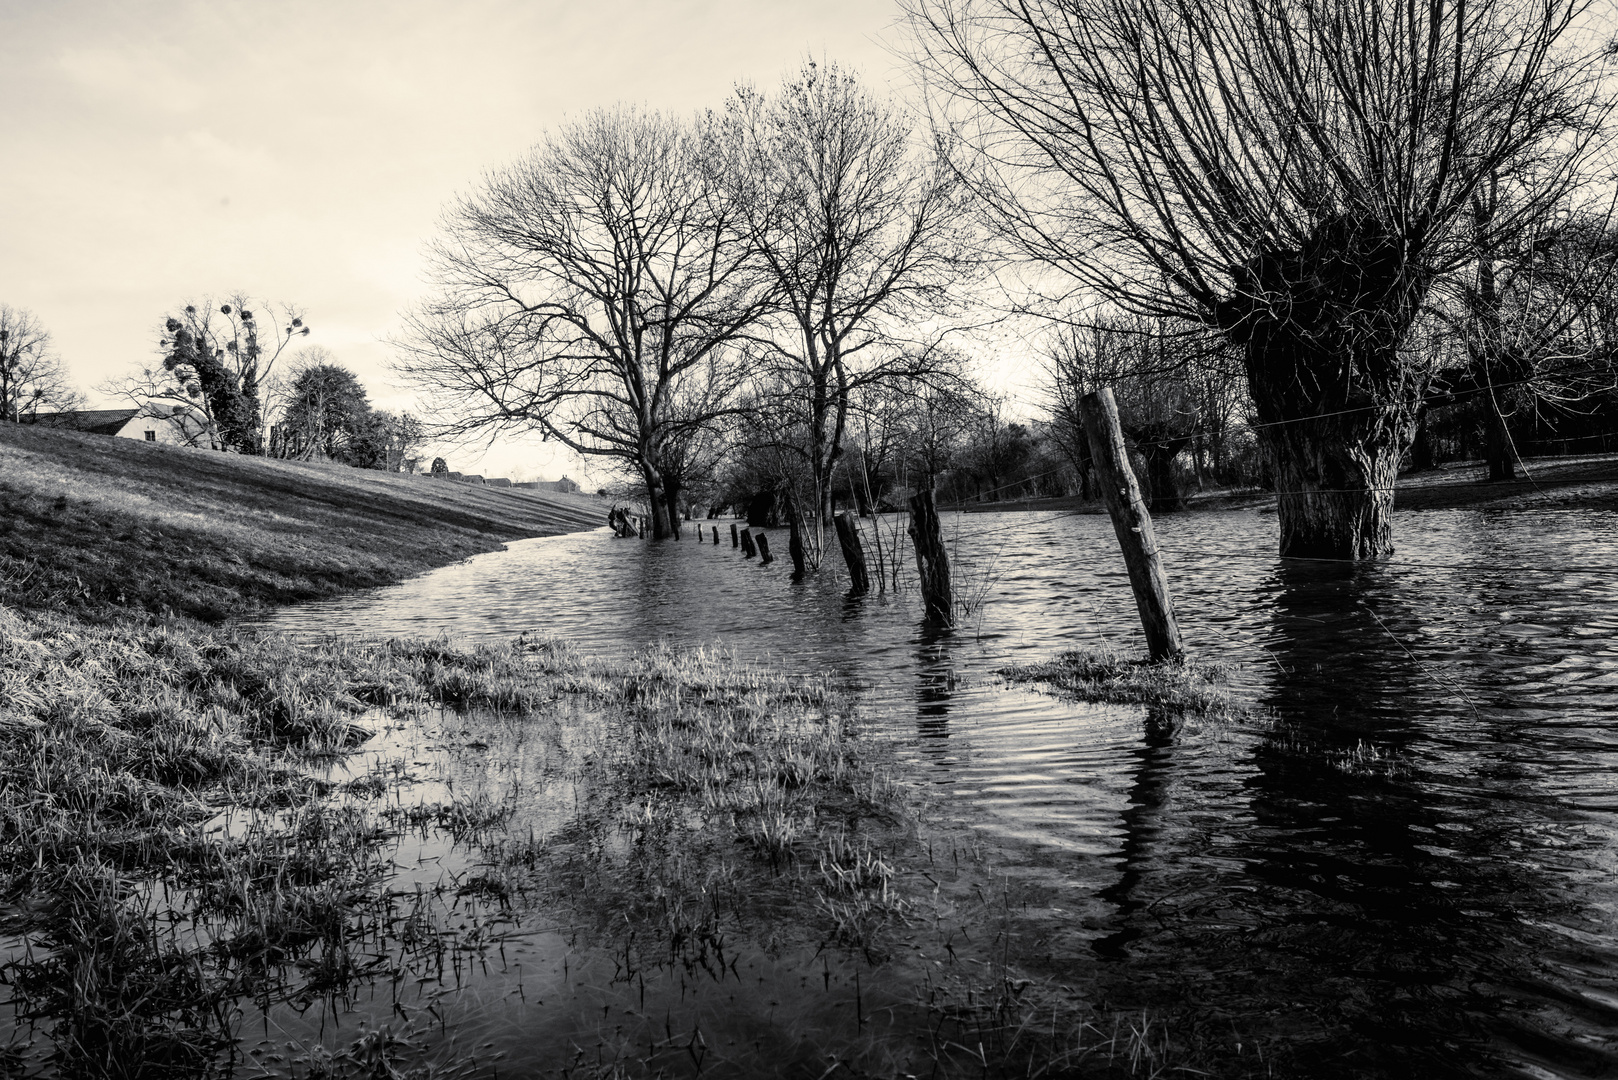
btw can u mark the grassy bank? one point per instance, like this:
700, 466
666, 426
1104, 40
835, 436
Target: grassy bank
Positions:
117, 528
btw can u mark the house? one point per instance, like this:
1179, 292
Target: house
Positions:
93, 421
564, 484
170, 421
160, 420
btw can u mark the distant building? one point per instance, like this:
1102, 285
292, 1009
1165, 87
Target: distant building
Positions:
160, 420
169, 421
93, 421
564, 484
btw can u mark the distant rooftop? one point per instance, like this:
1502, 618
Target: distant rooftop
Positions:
94, 421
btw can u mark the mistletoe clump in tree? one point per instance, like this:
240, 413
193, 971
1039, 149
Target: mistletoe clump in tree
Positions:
220, 359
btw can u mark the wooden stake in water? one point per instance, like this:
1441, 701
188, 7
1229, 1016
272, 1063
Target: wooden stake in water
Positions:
747, 544
764, 556
735, 539
1132, 524
932, 561
848, 537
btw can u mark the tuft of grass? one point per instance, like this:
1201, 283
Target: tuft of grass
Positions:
1171, 691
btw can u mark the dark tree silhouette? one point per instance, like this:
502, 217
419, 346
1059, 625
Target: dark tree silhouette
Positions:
1296, 173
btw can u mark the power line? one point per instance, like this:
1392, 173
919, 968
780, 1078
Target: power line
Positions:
1448, 397
1480, 567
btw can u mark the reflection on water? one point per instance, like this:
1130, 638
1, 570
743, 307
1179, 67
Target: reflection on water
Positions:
1410, 871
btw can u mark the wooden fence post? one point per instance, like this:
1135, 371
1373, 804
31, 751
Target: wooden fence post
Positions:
1133, 525
748, 550
716, 536
848, 537
735, 540
764, 556
932, 562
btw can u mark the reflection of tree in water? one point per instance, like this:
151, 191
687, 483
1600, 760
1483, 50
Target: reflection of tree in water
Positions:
1384, 907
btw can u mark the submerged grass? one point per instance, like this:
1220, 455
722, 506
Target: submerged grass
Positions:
169, 856
1172, 691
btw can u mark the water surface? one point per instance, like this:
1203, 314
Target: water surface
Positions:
1411, 871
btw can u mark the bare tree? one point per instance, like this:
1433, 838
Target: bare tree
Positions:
1163, 376
1530, 323
862, 230
1297, 173
31, 374
593, 291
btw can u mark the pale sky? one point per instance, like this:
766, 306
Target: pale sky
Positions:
153, 153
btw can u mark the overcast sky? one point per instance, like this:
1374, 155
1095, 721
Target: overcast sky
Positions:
155, 153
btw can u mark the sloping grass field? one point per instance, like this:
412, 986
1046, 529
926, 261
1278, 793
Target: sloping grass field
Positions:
93, 525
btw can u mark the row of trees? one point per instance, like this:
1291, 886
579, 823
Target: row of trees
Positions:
651, 291
222, 362
1316, 205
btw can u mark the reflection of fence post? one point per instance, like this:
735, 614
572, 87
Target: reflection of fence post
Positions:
735, 540
747, 544
932, 563
764, 556
853, 554
1132, 524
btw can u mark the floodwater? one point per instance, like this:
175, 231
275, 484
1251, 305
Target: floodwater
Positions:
1410, 871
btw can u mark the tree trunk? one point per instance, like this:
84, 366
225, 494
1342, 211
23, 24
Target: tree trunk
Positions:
1497, 442
671, 507
655, 496
1421, 449
1334, 480
795, 539
1322, 328
1160, 478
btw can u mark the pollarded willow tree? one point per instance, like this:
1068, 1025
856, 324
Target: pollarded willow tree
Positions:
1296, 173
865, 236
594, 291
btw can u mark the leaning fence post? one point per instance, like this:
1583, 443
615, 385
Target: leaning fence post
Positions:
1133, 525
932, 562
748, 551
764, 556
853, 554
